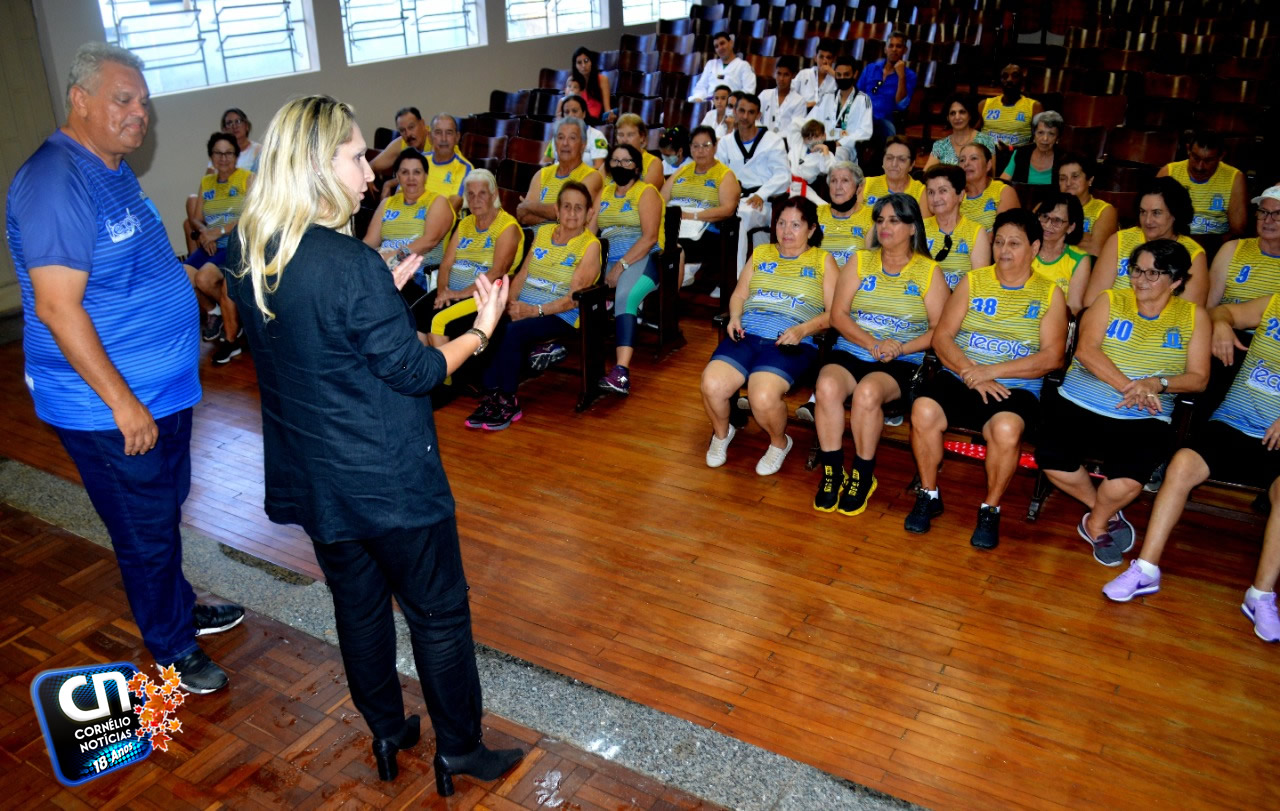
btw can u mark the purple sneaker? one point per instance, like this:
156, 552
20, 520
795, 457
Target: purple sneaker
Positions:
1133, 583
1105, 548
1266, 622
617, 381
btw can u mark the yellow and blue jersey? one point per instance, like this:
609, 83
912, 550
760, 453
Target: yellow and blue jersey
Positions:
1210, 199
1128, 239
1252, 403
447, 178
1061, 269
785, 291
878, 187
698, 190
403, 223
1003, 323
551, 181
1139, 347
890, 306
223, 201
619, 219
1093, 210
1251, 273
1008, 125
983, 208
959, 260
474, 256
842, 237
551, 268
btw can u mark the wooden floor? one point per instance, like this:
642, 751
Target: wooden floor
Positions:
285, 735
601, 546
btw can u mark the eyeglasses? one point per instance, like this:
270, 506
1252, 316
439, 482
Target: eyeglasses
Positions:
231, 122
946, 249
707, 145
1056, 222
219, 153
622, 162
1150, 274
1265, 214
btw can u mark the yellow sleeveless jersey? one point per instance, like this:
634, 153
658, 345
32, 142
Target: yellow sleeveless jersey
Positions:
982, 209
1139, 347
842, 237
1129, 238
785, 291
474, 255
223, 202
959, 260
1003, 324
692, 189
1251, 273
890, 305
1061, 269
1252, 403
619, 218
551, 270
878, 187
646, 160
1210, 199
551, 182
402, 223
1092, 211
446, 178
1008, 125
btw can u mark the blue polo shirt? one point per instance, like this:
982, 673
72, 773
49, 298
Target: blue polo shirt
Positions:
884, 101
65, 207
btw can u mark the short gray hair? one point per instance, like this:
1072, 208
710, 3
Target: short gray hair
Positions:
1050, 118
486, 177
847, 166
87, 64
439, 116
575, 122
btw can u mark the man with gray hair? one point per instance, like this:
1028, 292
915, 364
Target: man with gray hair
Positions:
448, 167
111, 341
538, 206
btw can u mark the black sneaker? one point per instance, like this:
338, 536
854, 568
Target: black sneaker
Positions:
197, 673
214, 619
506, 410
833, 481
853, 498
987, 534
225, 350
922, 514
478, 417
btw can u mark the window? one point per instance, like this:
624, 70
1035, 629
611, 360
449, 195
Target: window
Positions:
527, 19
188, 45
392, 29
635, 12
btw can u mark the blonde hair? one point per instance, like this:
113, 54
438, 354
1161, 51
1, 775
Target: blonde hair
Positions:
296, 187
631, 120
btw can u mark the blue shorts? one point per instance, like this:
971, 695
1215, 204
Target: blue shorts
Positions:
198, 258
755, 354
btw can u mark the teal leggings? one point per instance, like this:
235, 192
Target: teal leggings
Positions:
636, 282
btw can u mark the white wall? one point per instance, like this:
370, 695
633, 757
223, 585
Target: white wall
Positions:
171, 161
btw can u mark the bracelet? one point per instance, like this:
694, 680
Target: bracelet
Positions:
539, 310
484, 339
695, 215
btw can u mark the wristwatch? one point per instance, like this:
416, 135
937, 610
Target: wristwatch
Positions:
1164, 384
625, 266
484, 339
539, 310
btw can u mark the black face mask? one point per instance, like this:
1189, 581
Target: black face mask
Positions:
622, 175
845, 206
845, 84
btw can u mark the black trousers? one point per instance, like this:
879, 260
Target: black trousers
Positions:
422, 568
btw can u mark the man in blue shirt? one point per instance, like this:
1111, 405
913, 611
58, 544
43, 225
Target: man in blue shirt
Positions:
111, 341
889, 83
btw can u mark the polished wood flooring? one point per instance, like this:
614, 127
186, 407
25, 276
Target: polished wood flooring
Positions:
601, 546
285, 735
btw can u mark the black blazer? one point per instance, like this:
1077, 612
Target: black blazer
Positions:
349, 442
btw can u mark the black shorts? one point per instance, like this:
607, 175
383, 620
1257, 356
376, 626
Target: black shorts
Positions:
903, 373
1235, 457
1127, 449
964, 407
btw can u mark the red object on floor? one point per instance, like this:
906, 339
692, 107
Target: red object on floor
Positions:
976, 451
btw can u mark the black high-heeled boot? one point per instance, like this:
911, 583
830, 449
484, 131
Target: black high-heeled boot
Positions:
482, 764
385, 749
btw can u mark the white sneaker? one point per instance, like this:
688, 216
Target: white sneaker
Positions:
771, 462
690, 271
717, 451
744, 404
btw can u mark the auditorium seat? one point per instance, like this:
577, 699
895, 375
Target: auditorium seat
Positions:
642, 61
536, 130
513, 104
482, 147
552, 79
526, 150
1138, 146
1082, 110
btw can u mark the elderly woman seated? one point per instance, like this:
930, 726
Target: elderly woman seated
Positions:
1075, 177
957, 243
707, 192
1037, 162
214, 215
782, 300
886, 302
488, 242
1138, 347
897, 162
564, 258
984, 198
